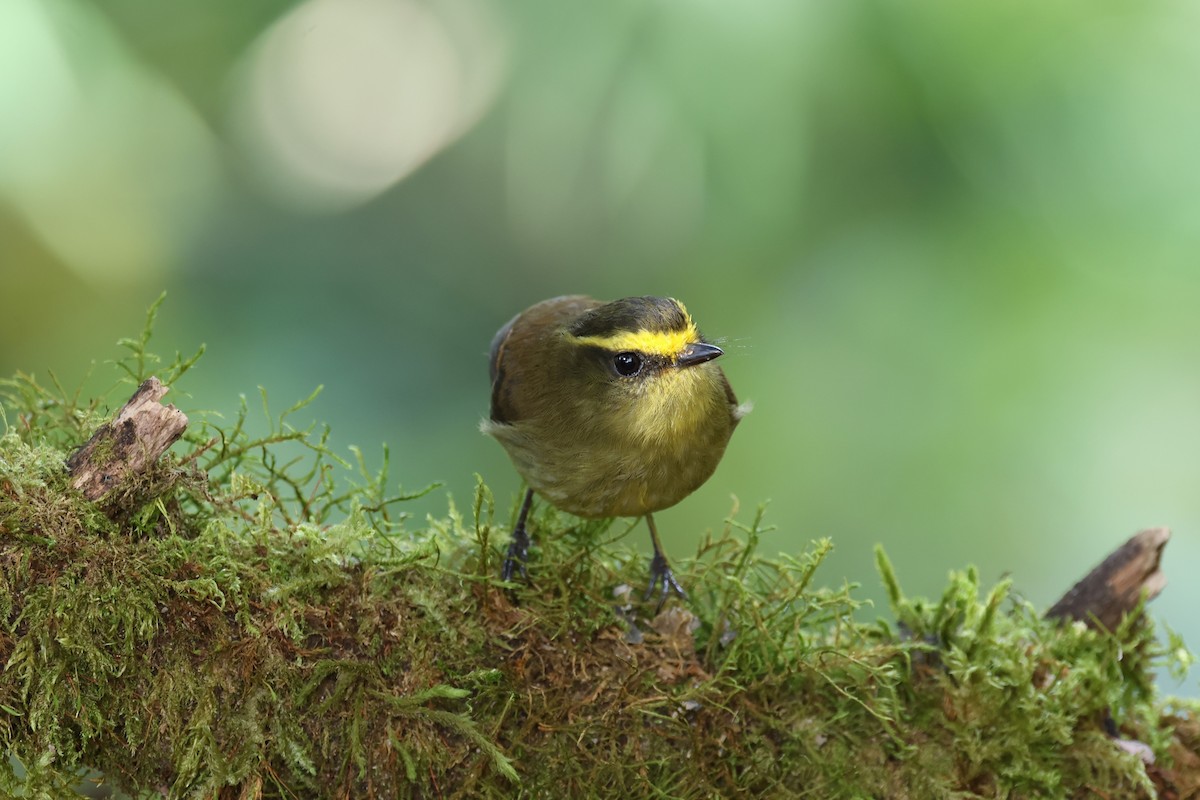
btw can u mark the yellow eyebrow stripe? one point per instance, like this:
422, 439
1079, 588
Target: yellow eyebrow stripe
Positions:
656, 343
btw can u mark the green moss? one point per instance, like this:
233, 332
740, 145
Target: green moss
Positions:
236, 623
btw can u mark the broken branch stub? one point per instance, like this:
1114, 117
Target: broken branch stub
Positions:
1118, 584
141, 432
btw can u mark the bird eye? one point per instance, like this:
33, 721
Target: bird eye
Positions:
627, 364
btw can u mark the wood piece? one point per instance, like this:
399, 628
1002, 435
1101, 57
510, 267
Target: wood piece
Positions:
141, 432
1117, 585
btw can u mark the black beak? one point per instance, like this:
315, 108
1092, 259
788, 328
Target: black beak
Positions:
698, 353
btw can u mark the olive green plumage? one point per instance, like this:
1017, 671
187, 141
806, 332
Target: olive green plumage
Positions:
609, 409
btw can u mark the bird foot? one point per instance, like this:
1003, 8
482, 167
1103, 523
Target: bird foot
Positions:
517, 555
660, 572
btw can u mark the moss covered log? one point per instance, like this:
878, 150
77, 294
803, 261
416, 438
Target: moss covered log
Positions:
235, 622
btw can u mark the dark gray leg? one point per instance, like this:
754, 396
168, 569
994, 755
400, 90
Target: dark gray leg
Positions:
660, 570
518, 547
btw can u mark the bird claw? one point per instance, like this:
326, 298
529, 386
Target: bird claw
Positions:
517, 555
660, 571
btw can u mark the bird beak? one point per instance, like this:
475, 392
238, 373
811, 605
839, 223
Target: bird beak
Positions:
698, 353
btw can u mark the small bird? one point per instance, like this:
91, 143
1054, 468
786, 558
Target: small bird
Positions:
608, 410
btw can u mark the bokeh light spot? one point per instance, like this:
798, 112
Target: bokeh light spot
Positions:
340, 99
112, 197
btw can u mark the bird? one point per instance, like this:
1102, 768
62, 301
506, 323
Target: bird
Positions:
608, 409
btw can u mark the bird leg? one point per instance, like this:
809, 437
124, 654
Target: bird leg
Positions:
518, 547
660, 570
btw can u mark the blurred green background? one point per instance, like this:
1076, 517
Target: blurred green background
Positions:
951, 248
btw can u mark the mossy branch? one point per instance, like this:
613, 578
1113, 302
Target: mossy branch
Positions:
233, 621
